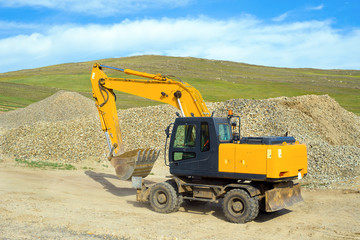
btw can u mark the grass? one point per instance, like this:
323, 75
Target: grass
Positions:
45, 165
88, 168
216, 80
14, 95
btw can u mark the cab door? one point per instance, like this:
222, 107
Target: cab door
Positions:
208, 148
183, 147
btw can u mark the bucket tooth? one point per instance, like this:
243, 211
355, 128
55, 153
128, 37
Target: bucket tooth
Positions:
138, 156
152, 155
145, 163
155, 155
143, 156
148, 155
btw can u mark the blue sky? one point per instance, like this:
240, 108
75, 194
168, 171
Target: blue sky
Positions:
281, 33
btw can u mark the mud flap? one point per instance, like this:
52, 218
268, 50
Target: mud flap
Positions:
282, 197
137, 163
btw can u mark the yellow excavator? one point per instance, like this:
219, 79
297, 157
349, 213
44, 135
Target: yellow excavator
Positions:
208, 158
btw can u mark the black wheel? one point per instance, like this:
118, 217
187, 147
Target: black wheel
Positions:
239, 207
163, 198
180, 199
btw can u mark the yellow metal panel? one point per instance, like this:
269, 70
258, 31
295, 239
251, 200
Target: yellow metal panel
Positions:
227, 158
287, 160
251, 159
274, 161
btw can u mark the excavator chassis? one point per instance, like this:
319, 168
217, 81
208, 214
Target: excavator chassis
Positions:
269, 198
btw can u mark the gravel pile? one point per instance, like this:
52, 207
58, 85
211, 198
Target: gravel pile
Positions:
65, 128
61, 106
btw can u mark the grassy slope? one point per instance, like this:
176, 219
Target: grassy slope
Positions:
216, 80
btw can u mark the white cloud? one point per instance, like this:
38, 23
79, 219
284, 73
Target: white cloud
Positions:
320, 7
97, 7
300, 44
281, 18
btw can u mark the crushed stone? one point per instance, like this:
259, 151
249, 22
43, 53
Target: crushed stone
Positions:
65, 128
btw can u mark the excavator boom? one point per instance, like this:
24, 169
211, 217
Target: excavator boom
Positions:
155, 87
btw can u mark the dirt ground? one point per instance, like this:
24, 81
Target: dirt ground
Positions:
94, 204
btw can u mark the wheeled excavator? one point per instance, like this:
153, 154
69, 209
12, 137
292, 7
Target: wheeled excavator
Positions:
208, 158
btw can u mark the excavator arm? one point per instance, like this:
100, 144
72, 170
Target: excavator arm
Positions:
155, 87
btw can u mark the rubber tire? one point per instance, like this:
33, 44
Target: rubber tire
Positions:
163, 198
180, 199
250, 206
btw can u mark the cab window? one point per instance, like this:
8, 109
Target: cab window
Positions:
224, 132
205, 137
185, 136
183, 155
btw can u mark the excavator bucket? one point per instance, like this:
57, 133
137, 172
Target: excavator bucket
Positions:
136, 163
279, 198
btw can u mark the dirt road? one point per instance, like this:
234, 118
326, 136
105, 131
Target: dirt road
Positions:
93, 204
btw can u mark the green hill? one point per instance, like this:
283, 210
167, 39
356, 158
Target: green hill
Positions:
216, 80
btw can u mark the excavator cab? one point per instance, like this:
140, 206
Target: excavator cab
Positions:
194, 145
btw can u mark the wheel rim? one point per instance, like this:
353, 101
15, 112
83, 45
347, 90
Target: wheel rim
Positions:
160, 198
236, 206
